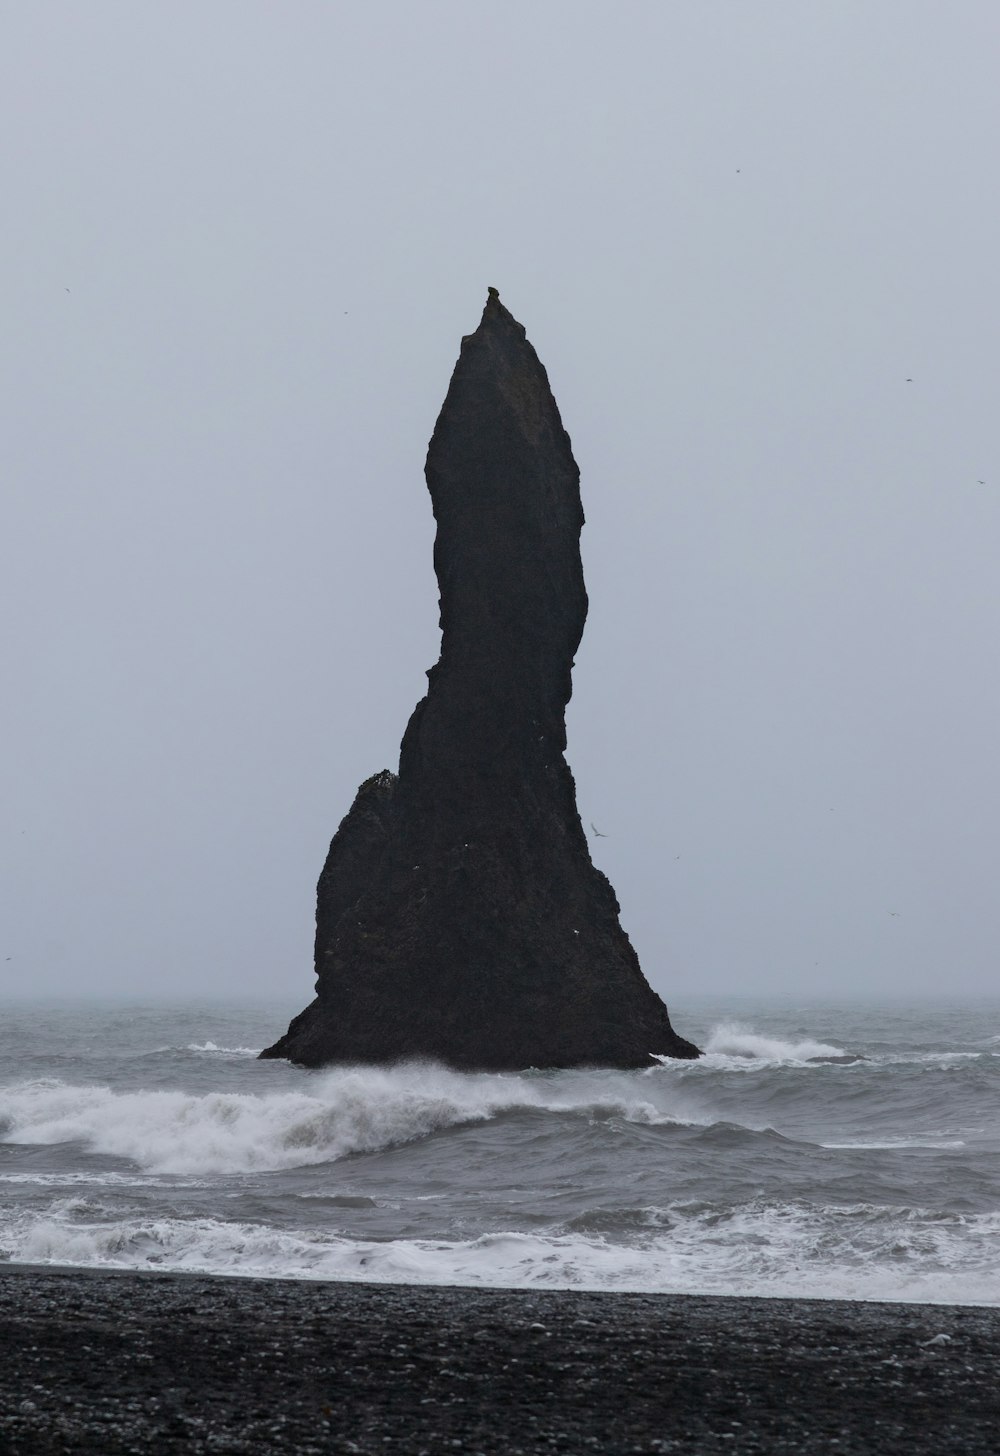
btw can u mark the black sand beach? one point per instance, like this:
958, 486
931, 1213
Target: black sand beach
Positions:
121, 1362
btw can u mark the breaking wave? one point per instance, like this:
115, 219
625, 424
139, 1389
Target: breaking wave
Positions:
859, 1251
351, 1110
827, 1159
732, 1039
210, 1046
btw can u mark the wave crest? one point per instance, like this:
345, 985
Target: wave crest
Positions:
210, 1046
733, 1039
349, 1110
856, 1251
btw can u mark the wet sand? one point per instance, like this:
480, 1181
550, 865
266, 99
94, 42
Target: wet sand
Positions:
121, 1362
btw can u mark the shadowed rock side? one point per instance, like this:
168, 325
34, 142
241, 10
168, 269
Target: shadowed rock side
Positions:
459, 915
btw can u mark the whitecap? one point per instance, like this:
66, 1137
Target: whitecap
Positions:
858, 1252
343, 1111
892, 1144
210, 1046
732, 1040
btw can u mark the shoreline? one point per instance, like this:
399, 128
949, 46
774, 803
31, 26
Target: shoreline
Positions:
112, 1271
128, 1361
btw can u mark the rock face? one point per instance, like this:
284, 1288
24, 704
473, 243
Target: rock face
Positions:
459, 915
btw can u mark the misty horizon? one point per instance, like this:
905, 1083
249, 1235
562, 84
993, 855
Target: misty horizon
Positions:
756, 259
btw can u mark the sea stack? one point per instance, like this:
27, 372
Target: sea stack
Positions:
459, 916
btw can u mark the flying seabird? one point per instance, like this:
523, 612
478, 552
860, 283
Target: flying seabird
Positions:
597, 831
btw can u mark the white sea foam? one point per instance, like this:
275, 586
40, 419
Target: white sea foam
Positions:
580, 1182
731, 1039
892, 1144
90, 1180
853, 1252
350, 1110
933, 1060
210, 1046
734, 1046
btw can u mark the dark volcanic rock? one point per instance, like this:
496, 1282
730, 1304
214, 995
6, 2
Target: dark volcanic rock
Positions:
459, 915
102, 1362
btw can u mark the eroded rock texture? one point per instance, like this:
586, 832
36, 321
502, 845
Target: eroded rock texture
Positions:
459, 915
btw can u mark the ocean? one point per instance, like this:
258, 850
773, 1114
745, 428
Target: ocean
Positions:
822, 1150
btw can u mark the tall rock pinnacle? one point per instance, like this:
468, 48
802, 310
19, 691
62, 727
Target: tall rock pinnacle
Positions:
459, 915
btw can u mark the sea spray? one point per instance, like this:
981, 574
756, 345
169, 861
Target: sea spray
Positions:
732, 1039
350, 1110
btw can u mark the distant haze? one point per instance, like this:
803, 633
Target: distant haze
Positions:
756, 248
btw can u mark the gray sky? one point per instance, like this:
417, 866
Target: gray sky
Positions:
241, 243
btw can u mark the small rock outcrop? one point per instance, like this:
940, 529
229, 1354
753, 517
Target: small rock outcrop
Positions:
459, 916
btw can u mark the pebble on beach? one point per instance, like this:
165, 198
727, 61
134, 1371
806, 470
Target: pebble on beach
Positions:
120, 1362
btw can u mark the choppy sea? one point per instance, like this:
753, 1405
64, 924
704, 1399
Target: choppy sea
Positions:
815, 1150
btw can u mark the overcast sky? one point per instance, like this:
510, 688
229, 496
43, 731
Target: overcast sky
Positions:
755, 245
